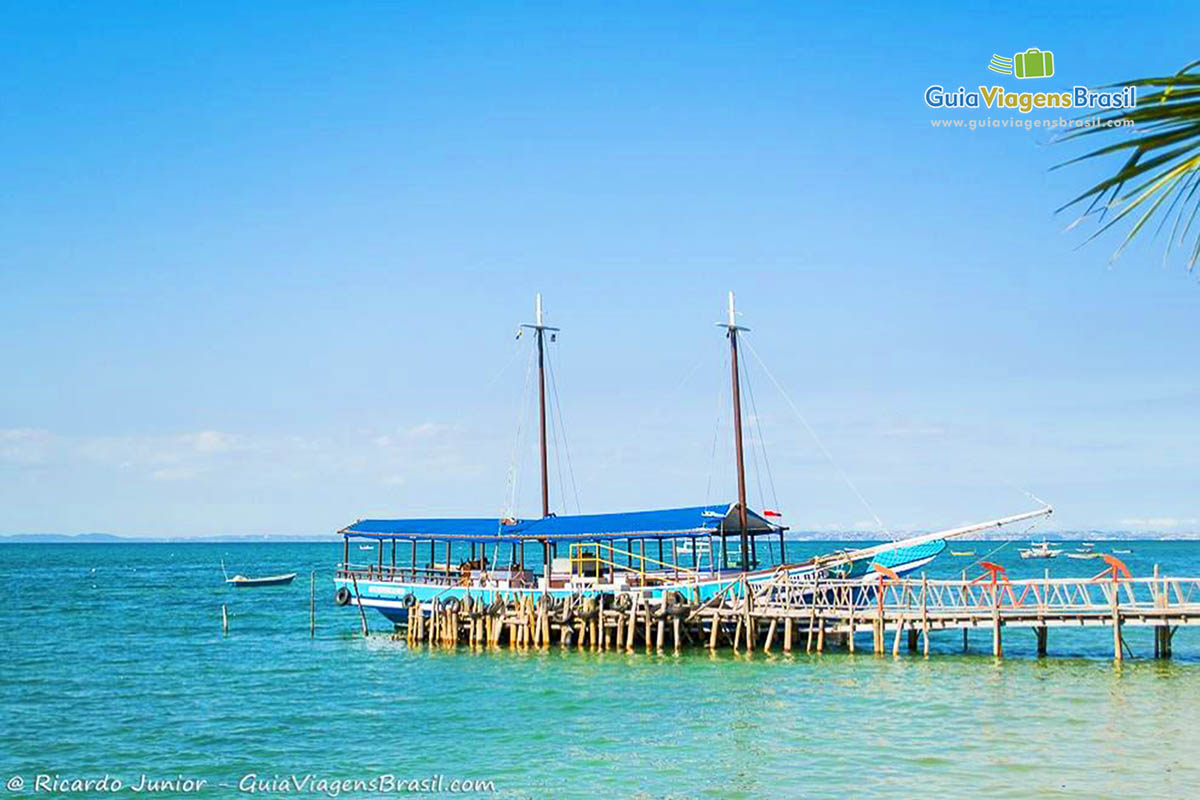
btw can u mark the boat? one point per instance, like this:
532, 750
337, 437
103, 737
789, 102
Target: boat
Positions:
1122, 552
962, 553
241, 581
1040, 550
365, 547
648, 556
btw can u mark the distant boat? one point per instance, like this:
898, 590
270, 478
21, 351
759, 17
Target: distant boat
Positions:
961, 553
271, 580
1040, 550
1123, 552
1088, 544
365, 547
241, 581
1085, 555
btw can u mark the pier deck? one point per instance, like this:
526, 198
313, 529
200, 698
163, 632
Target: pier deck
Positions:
788, 612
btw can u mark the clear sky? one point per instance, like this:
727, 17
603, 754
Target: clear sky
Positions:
261, 264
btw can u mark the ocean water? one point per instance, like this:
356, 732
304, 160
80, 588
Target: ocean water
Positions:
114, 664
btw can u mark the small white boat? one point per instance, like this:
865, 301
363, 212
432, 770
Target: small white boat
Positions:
1085, 555
1040, 550
365, 547
241, 581
1123, 552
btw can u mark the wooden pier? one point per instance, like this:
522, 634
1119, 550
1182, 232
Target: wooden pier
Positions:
787, 613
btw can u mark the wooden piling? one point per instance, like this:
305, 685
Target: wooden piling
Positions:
1118, 652
632, 632
224, 619
362, 615
312, 604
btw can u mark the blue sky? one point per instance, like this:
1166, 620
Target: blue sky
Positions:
260, 268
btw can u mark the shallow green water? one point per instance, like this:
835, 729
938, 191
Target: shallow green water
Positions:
115, 664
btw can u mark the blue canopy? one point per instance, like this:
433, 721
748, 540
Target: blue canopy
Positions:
663, 523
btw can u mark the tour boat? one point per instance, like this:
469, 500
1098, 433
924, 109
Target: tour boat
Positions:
652, 555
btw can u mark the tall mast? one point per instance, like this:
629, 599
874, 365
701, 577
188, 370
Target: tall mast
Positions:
732, 329
540, 331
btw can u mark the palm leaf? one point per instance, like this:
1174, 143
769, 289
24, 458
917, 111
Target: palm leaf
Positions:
1162, 162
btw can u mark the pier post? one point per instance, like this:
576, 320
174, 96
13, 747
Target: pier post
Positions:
997, 645
963, 594
1160, 628
1042, 634
633, 609
712, 634
312, 604
224, 619
850, 635
925, 614
1118, 654
787, 634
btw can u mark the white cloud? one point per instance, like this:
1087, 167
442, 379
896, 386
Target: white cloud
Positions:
210, 441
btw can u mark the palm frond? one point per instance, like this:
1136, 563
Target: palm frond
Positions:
1163, 161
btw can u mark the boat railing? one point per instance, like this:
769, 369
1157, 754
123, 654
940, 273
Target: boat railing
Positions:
1040, 595
597, 554
389, 573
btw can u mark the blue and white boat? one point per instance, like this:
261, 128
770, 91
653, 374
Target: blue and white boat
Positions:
681, 552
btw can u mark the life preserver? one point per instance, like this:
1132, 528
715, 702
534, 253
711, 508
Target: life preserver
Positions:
341, 596
409, 601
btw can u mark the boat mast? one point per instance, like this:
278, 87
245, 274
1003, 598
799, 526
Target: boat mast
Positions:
732, 329
540, 331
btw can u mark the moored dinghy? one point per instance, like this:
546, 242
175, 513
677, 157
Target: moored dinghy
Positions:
270, 580
242, 581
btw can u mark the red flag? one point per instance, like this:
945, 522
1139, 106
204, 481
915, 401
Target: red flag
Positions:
769, 513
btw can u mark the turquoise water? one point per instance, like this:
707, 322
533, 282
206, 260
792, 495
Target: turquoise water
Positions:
114, 663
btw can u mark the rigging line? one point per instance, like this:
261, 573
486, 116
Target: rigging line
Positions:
514, 466
755, 446
562, 424
712, 459
550, 410
828, 456
512, 360
762, 444
1005, 543
654, 415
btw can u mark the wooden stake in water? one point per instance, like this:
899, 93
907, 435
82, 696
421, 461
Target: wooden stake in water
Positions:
362, 615
224, 619
312, 604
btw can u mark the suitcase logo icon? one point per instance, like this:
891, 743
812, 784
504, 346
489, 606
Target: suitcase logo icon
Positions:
1033, 63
